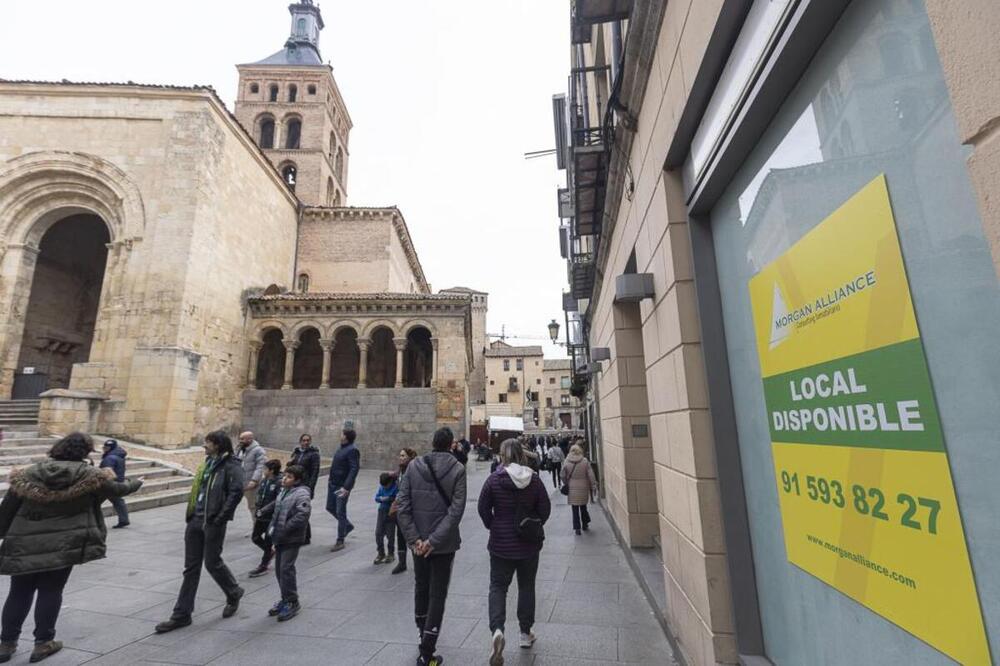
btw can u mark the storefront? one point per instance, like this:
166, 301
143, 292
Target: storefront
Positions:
849, 306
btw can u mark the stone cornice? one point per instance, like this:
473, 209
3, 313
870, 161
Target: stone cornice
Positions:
359, 305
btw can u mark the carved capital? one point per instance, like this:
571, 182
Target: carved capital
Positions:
400, 344
327, 344
290, 345
256, 345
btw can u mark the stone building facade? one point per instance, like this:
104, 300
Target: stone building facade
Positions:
559, 408
514, 381
147, 235
701, 140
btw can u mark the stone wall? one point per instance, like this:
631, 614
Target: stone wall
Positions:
345, 253
386, 420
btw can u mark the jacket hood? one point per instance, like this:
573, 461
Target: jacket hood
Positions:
53, 481
442, 462
520, 475
116, 451
251, 445
575, 457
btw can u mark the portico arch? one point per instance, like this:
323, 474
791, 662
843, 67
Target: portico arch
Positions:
382, 358
307, 373
271, 359
346, 359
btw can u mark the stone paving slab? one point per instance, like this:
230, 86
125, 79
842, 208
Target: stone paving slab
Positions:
589, 607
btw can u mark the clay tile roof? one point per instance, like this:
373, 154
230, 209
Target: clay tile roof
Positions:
381, 296
510, 352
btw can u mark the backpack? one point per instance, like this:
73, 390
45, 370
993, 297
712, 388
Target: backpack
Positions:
527, 522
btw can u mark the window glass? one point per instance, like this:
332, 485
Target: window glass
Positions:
873, 101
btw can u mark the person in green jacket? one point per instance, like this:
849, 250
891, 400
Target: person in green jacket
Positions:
50, 521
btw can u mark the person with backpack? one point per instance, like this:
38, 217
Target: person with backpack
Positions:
579, 485
113, 458
267, 492
431, 502
514, 506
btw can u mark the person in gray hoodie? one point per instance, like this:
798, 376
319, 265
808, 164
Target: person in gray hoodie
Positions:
289, 525
252, 456
431, 502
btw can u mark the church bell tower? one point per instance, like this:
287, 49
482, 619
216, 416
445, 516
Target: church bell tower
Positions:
292, 106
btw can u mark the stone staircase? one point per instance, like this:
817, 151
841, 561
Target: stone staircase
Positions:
19, 415
163, 485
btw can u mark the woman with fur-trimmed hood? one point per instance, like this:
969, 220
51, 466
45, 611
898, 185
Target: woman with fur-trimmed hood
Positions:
51, 520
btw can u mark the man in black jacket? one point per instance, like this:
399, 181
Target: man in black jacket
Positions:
343, 473
215, 494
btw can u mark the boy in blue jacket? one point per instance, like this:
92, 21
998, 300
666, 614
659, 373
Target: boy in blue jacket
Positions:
385, 525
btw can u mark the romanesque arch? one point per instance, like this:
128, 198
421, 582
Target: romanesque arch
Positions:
307, 372
271, 359
418, 368
381, 358
346, 358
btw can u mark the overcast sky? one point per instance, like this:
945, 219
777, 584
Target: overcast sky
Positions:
446, 97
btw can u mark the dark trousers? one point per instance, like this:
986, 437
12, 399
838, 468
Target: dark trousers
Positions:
284, 569
430, 590
385, 530
260, 537
203, 544
400, 540
502, 572
337, 507
49, 586
120, 509
580, 513
556, 468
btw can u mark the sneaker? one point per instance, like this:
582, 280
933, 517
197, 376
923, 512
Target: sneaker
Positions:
233, 604
259, 571
527, 639
389, 559
436, 660
337, 546
7, 650
120, 525
276, 608
288, 611
173, 623
379, 559
44, 650
399, 568
577, 532
498, 642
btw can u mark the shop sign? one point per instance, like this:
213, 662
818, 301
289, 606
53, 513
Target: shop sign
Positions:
867, 500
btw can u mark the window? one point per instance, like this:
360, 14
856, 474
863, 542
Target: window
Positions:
293, 93
552, 380
289, 174
266, 139
492, 382
333, 145
293, 134
300, 28
520, 364
548, 402
339, 167
311, 89
503, 397
254, 88
303, 283
532, 397
274, 92
538, 381
564, 400
506, 365
331, 192
564, 382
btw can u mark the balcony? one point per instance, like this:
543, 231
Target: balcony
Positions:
581, 275
590, 89
589, 12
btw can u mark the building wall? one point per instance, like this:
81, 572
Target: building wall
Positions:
553, 374
172, 174
386, 420
665, 486
497, 384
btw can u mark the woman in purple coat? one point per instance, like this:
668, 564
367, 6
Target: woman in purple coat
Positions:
512, 493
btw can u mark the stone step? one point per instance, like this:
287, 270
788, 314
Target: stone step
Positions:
158, 485
151, 501
8, 420
15, 435
17, 442
136, 468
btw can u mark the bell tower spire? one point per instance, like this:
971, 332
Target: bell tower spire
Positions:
307, 22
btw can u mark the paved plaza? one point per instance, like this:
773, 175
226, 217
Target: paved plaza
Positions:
590, 608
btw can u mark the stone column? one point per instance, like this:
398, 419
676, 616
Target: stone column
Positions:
363, 364
400, 349
327, 346
290, 347
434, 362
255, 347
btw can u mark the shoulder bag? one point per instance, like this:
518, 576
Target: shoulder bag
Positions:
564, 489
527, 522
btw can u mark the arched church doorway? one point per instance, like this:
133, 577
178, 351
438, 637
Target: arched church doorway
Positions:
63, 304
271, 361
418, 365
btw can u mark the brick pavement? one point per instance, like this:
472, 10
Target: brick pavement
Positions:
590, 608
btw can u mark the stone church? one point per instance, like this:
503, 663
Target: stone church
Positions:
168, 267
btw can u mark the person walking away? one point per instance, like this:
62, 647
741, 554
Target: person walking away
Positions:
288, 532
513, 506
431, 503
343, 474
267, 492
530, 457
51, 521
556, 460
113, 458
459, 453
307, 457
406, 456
385, 525
251, 455
578, 475
215, 494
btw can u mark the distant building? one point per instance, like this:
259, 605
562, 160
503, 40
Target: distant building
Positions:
514, 381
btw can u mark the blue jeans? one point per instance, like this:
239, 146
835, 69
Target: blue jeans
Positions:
337, 507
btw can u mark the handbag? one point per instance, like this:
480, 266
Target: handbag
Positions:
527, 523
564, 489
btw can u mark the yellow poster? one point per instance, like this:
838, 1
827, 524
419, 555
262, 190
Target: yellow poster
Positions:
867, 500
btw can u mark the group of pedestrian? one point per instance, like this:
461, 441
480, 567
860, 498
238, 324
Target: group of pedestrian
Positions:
51, 520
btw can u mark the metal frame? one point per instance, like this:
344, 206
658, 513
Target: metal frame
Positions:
810, 23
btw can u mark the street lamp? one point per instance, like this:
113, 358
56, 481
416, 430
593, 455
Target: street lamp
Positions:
554, 331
